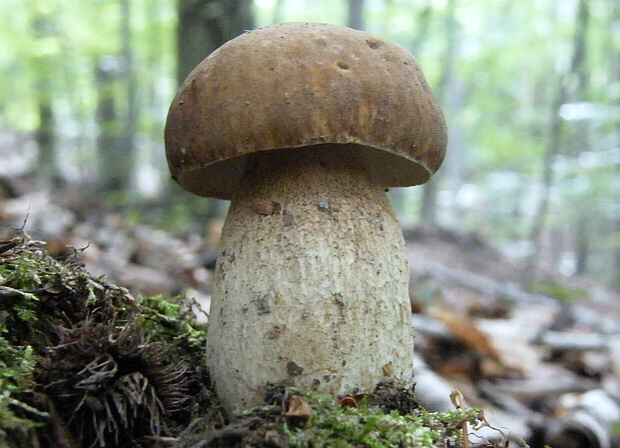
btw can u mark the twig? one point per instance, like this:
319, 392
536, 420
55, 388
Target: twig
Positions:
457, 400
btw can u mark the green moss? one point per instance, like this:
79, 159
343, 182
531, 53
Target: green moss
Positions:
16, 367
328, 424
173, 321
83, 359
335, 426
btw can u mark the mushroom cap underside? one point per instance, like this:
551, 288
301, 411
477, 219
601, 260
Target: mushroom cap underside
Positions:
296, 86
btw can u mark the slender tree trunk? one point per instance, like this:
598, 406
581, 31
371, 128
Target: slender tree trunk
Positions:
428, 209
581, 142
43, 27
113, 160
555, 143
356, 14
398, 196
582, 244
455, 157
616, 280
422, 26
615, 69
129, 80
554, 146
278, 11
204, 25
117, 118
46, 136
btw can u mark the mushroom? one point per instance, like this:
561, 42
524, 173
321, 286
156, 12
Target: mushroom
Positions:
303, 126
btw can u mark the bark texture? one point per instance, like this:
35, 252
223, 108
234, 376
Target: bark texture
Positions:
311, 285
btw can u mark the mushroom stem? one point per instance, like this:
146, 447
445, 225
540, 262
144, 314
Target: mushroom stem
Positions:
311, 283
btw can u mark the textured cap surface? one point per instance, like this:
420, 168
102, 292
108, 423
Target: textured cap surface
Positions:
295, 85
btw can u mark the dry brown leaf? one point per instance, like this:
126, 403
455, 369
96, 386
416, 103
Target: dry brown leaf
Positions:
298, 409
465, 330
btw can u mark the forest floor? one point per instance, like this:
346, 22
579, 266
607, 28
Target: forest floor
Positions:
544, 366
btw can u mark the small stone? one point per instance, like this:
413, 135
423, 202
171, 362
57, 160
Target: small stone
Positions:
288, 218
265, 207
293, 369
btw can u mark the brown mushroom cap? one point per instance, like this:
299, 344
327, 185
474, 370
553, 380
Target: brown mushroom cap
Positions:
295, 85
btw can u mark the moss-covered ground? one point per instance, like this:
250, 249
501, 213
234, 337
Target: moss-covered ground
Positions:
83, 363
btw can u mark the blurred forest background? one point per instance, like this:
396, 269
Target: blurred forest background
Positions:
530, 89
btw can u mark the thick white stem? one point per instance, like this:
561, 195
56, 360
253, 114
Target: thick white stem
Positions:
311, 286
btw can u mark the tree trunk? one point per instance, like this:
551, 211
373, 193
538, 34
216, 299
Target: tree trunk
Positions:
46, 137
113, 160
278, 11
43, 28
555, 143
356, 14
616, 77
204, 25
398, 196
428, 209
116, 114
422, 26
130, 88
582, 243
